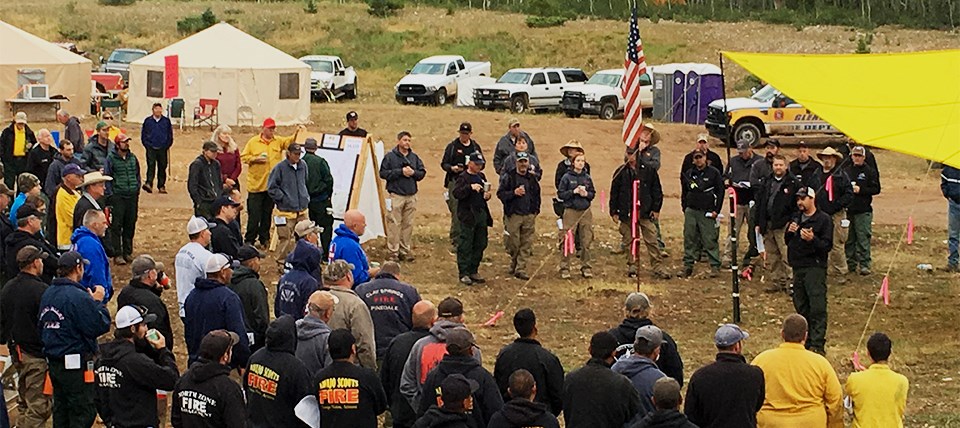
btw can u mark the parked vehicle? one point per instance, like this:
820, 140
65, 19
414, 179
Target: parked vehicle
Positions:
602, 95
522, 88
329, 78
119, 61
434, 80
768, 113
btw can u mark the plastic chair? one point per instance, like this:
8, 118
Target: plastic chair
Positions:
177, 110
206, 112
112, 105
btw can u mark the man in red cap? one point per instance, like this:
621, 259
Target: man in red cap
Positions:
123, 196
261, 153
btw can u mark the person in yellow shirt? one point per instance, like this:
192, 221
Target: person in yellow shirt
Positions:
802, 389
260, 154
877, 396
66, 200
113, 129
15, 142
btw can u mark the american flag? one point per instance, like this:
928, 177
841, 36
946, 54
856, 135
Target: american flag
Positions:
635, 65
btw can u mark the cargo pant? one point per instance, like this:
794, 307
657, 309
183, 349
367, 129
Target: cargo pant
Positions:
33, 407
810, 300
581, 222
472, 243
454, 222
838, 257
776, 247
700, 234
520, 231
745, 223
73, 405
857, 248
400, 223
648, 235
953, 233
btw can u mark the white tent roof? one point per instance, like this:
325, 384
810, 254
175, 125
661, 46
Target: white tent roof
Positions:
223, 46
21, 47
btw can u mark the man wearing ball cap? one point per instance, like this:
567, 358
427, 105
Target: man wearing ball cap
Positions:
809, 239
123, 196
261, 153
211, 306
144, 290
728, 392
191, 260
353, 128
129, 374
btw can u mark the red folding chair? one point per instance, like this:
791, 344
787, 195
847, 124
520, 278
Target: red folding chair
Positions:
206, 112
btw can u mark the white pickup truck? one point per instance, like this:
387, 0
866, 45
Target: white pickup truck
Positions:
522, 88
434, 79
329, 79
601, 95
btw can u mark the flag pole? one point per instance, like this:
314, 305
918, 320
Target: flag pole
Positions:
734, 271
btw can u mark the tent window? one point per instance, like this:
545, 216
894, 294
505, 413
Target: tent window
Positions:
289, 86
154, 84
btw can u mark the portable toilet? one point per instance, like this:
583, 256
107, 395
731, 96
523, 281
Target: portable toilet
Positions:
682, 92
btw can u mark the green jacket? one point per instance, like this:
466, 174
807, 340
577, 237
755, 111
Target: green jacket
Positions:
319, 179
125, 173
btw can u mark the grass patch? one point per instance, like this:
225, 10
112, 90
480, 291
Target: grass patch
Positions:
545, 21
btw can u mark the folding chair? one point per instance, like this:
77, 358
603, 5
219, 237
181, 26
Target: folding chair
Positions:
206, 112
112, 105
177, 110
245, 116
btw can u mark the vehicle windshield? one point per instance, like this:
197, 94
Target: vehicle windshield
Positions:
765, 94
605, 79
320, 66
426, 68
125, 57
514, 77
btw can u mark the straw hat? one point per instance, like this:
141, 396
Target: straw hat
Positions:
654, 134
829, 151
572, 144
94, 178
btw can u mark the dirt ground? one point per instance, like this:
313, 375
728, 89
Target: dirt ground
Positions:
571, 311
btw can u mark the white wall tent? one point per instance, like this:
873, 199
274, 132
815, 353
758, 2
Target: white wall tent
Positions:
251, 79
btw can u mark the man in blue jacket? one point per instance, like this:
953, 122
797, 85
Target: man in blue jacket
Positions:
87, 241
213, 306
641, 367
287, 183
296, 286
71, 319
346, 246
950, 187
157, 137
391, 305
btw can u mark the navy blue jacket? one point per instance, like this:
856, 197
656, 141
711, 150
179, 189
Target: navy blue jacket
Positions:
296, 286
391, 307
213, 306
570, 181
346, 246
950, 183
157, 134
391, 170
70, 320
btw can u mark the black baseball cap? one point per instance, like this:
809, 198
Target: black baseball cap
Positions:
450, 307
72, 259
27, 210
293, 148
352, 115
210, 146
772, 142
476, 158
458, 340
248, 252
466, 127
456, 388
223, 201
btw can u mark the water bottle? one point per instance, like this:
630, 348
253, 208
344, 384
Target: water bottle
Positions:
926, 267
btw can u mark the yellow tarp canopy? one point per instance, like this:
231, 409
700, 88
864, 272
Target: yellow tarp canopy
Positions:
906, 102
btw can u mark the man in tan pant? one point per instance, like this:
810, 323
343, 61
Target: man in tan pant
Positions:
837, 195
776, 207
402, 169
519, 191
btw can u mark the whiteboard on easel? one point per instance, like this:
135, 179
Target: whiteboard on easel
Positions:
356, 180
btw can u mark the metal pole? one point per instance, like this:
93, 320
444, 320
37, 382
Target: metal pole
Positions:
734, 269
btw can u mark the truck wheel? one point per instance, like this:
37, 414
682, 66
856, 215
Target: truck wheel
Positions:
747, 132
572, 114
352, 93
608, 111
518, 104
441, 97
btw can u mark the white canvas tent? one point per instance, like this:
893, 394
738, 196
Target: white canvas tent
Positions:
25, 58
251, 79
466, 86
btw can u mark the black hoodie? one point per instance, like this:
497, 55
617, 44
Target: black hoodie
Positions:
438, 417
669, 362
256, 309
542, 364
276, 380
18, 239
350, 396
206, 397
486, 400
523, 413
128, 376
664, 419
138, 293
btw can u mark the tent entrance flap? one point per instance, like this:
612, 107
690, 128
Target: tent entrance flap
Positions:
858, 94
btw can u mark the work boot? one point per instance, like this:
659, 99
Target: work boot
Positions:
465, 280
864, 271
147, 188
128, 258
521, 275
632, 271
162, 190
686, 272
664, 254
564, 273
119, 261
659, 274
475, 277
586, 273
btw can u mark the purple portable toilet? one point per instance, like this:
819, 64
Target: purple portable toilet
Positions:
679, 96
692, 108
711, 89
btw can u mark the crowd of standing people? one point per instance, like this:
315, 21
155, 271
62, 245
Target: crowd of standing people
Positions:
350, 340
